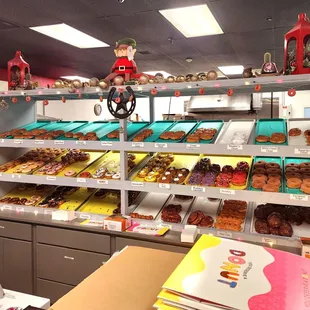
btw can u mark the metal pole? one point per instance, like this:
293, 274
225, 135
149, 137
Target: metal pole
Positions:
152, 107
124, 166
271, 105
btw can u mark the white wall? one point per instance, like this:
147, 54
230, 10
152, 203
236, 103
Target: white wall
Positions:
3, 85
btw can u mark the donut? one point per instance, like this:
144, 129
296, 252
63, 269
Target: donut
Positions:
193, 138
307, 133
294, 132
150, 178
259, 171
290, 175
262, 139
261, 227
116, 176
305, 165
260, 164
306, 181
207, 221
293, 183
292, 169
273, 165
274, 171
261, 177
164, 179
274, 176
305, 188
195, 218
270, 188
274, 182
278, 138
292, 165
304, 170
258, 184
85, 174
69, 173
306, 176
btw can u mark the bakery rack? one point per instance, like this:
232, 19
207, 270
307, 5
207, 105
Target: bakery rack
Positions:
24, 112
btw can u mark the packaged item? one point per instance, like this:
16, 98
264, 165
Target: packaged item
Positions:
117, 222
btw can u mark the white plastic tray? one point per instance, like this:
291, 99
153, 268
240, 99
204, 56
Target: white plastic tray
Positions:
206, 206
237, 125
303, 124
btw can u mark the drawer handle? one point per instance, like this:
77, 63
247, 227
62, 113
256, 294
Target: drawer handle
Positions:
2, 227
69, 257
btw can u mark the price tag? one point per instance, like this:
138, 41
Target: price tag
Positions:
16, 176
198, 189
58, 142
137, 144
299, 197
18, 141
232, 147
165, 225
50, 212
103, 182
106, 143
38, 141
50, 178
227, 191
269, 240
269, 149
20, 209
85, 216
161, 145
80, 142
1, 140
137, 184
164, 185
81, 180
302, 151
6, 207
193, 146
225, 234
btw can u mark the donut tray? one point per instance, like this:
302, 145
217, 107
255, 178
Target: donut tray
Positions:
152, 204
277, 160
186, 204
289, 160
31, 126
242, 126
206, 206
303, 124
217, 124
301, 231
132, 129
185, 126
112, 157
226, 160
102, 205
77, 166
158, 128
267, 127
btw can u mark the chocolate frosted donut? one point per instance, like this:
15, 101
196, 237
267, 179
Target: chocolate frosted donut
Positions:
260, 164
274, 171
274, 220
272, 165
292, 169
261, 227
286, 229
259, 212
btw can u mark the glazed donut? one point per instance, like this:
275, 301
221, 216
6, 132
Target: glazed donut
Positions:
261, 177
274, 171
273, 165
259, 171
292, 175
278, 138
306, 181
274, 182
292, 169
262, 139
270, 188
305, 165
294, 183
260, 164
258, 184
274, 176
294, 132
305, 188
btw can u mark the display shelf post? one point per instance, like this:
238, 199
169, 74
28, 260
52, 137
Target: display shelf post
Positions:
152, 108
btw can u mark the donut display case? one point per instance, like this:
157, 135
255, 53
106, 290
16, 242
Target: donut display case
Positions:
298, 131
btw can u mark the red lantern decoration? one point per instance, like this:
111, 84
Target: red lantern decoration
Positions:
14, 99
230, 92
201, 91
297, 47
28, 98
101, 98
291, 92
45, 102
18, 71
177, 93
258, 87
63, 99
154, 91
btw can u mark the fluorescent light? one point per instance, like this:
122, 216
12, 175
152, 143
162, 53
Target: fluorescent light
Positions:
231, 70
193, 21
75, 77
69, 35
164, 73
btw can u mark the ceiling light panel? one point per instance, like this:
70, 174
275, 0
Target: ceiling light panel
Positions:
70, 35
231, 70
193, 21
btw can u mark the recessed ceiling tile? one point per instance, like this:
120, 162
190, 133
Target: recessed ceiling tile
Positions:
254, 59
172, 4
223, 59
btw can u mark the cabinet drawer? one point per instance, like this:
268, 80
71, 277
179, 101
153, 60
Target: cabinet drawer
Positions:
15, 230
74, 239
52, 290
66, 265
123, 242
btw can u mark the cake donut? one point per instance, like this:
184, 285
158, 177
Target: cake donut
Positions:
294, 183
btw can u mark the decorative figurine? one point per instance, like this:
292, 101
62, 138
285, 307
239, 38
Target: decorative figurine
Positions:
170, 79
201, 76
188, 77
269, 68
18, 73
212, 75
125, 65
180, 79
76, 83
143, 79
103, 84
94, 82
59, 84
159, 78
247, 73
297, 47
194, 78
118, 80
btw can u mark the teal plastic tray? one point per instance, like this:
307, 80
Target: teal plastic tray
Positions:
277, 160
132, 129
73, 125
90, 127
158, 128
55, 125
32, 126
217, 124
289, 160
185, 126
267, 127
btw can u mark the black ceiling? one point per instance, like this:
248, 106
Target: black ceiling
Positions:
247, 34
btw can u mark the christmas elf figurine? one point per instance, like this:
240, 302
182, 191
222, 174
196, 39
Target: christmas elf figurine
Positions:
124, 66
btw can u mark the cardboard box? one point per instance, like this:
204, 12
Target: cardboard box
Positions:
117, 223
129, 281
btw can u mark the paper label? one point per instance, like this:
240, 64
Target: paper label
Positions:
59, 142
299, 197
232, 147
85, 216
106, 143
227, 191
38, 141
18, 141
104, 182
20, 209
137, 184
16, 176
81, 180
80, 142
198, 189
137, 144
193, 146
48, 211
164, 185
50, 178
302, 151
89, 222
269, 240
161, 145
6, 207
269, 149
223, 233
1, 140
